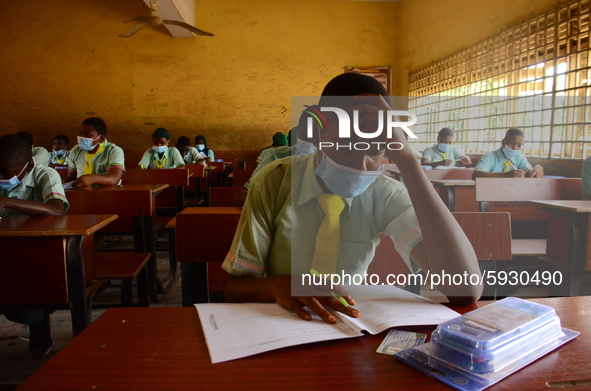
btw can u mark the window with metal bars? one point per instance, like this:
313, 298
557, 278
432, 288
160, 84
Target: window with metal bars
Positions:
536, 76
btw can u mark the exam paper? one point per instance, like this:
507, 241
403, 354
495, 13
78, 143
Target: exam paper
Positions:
239, 330
202, 155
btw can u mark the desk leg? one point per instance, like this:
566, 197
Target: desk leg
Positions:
76, 284
194, 283
578, 251
180, 198
451, 198
144, 243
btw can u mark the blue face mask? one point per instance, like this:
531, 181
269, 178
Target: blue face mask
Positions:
443, 147
510, 153
302, 148
344, 181
8, 184
160, 149
85, 143
60, 152
200, 147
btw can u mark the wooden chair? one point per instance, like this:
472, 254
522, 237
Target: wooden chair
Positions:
125, 267
240, 177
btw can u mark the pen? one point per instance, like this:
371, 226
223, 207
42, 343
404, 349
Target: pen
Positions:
339, 298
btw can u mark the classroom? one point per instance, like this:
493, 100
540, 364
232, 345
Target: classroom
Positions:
64, 61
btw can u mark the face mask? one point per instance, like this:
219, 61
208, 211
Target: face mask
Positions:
60, 152
200, 147
510, 153
344, 181
160, 149
443, 147
85, 143
303, 148
7, 184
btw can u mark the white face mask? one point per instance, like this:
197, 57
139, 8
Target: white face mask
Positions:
344, 181
60, 152
8, 184
200, 147
302, 148
443, 147
510, 153
160, 149
85, 143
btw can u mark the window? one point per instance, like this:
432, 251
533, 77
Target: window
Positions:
536, 76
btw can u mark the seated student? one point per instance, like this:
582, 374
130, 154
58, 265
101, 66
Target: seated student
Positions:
34, 189
444, 153
59, 155
160, 156
279, 140
507, 161
284, 210
40, 154
190, 155
95, 160
202, 150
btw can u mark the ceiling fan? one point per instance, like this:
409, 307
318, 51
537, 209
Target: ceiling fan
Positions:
155, 20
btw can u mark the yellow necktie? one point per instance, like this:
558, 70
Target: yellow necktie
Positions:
507, 166
159, 164
443, 155
90, 157
326, 252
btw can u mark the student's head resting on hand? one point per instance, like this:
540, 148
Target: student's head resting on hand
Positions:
16, 158
92, 133
348, 172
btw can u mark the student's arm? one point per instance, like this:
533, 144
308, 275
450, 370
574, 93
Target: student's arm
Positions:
210, 156
445, 247
536, 172
177, 158
509, 174
52, 207
427, 162
112, 177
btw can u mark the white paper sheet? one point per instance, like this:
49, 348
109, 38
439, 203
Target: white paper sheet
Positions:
239, 330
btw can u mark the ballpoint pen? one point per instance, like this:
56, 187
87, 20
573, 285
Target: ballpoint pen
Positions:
339, 298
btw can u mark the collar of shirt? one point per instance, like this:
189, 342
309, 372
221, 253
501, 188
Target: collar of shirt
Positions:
306, 182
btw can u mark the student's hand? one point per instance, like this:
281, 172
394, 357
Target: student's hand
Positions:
280, 287
83, 181
368, 122
538, 172
466, 160
445, 162
515, 174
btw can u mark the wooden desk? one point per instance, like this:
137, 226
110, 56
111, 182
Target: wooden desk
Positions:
133, 349
203, 235
177, 179
459, 195
578, 214
135, 206
42, 261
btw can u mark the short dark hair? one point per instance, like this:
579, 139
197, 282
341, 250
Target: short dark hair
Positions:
98, 124
351, 84
62, 137
27, 136
512, 132
183, 142
15, 147
446, 132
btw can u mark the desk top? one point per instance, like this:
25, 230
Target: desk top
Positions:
578, 206
212, 210
453, 182
67, 225
164, 348
154, 188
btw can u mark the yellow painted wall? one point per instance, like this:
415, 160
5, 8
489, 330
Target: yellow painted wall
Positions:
62, 62
431, 30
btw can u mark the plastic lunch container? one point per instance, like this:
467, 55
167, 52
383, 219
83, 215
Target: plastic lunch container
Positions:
489, 338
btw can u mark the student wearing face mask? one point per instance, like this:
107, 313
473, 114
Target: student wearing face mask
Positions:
507, 161
59, 155
201, 146
160, 156
285, 211
445, 153
28, 188
94, 160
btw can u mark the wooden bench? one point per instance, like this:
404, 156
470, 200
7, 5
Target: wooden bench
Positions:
240, 177
177, 179
125, 267
461, 173
223, 196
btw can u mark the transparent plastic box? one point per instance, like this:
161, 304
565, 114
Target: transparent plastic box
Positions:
489, 338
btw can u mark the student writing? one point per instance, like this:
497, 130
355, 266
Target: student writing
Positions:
284, 211
59, 155
445, 153
160, 156
95, 160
